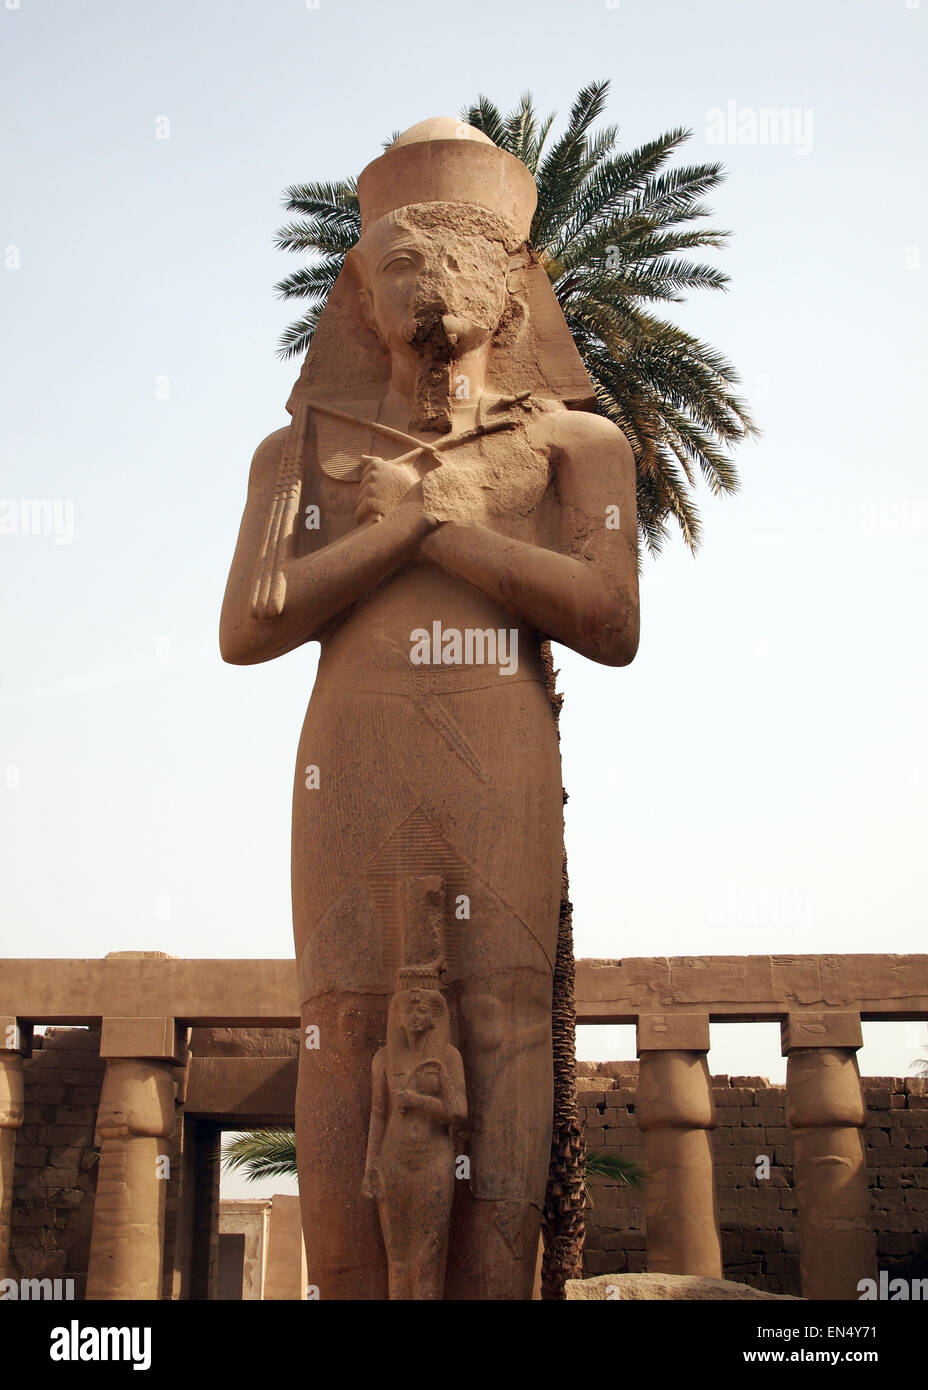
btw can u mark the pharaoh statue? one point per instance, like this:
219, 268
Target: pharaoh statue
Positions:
443, 500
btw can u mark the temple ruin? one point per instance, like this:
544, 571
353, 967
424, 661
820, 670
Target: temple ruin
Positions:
110, 1124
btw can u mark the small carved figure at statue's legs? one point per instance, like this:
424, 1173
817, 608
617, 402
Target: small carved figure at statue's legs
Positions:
417, 1100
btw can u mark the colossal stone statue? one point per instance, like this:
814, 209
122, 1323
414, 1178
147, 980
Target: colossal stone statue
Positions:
442, 500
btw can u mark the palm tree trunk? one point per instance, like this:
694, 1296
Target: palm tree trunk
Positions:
563, 1225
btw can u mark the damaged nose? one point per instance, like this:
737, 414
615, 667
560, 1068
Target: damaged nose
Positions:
453, 327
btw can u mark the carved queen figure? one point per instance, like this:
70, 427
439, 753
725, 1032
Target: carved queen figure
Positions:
442, 472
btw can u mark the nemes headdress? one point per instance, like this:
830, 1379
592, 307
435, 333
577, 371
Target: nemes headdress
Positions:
440, 167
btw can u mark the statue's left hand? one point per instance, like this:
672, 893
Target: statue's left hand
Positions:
383, 484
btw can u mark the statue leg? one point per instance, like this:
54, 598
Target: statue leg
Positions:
504, 1027
344, 1250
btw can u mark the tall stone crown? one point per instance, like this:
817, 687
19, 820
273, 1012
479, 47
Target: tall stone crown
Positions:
424, 976
443, 160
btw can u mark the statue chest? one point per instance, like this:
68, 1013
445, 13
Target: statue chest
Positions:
503, 481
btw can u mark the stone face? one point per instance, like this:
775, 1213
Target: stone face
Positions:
662, 1287
464, 504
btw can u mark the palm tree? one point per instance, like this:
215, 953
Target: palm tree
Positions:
615, 1167
262, 1153
612, 230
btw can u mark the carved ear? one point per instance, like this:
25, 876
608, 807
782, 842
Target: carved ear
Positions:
514, 319
366, 301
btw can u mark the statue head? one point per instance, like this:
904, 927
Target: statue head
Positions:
443, 269
445, 216
420, 1011
418, 1014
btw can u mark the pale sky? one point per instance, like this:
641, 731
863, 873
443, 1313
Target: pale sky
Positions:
756, 781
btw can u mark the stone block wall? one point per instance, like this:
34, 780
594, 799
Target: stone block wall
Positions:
55, 1177
55, 1174
760, 1239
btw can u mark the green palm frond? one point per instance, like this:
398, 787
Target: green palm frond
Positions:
612, 230
296, 338
329, 236
485, 116
262, 1153
310, 281
615, 1167
520, 130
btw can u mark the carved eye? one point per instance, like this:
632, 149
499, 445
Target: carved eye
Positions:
402, 261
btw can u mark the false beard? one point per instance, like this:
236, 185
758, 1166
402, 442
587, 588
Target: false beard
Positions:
432, 406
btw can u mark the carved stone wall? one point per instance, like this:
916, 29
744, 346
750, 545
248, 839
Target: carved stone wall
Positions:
55, 1173
55, 1176
760, 1237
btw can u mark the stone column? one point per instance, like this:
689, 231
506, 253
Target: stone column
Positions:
825, 1110
285, 1262
135, 1118
204, 1261
675, 1110
11, 1118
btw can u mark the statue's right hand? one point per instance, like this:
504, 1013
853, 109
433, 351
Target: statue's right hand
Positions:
370, 1184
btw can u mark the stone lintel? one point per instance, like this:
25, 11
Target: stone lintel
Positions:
832, 1029
265, 993
673, 1032
242, 1088
209, 992
159, 1039
746, 989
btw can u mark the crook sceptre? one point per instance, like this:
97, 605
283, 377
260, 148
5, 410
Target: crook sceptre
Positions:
270, 586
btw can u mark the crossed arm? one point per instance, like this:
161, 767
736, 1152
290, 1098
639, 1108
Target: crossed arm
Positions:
585, 595
320, 584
